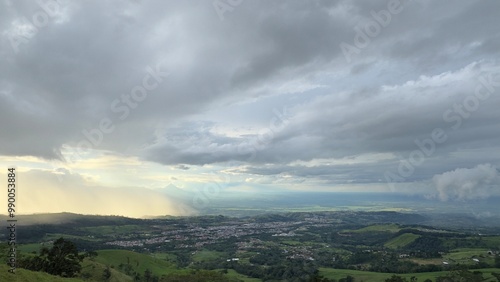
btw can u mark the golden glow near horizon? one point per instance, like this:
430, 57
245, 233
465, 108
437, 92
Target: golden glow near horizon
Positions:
104, 184
108, 184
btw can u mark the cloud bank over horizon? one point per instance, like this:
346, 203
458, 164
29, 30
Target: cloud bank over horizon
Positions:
312, 96
480, 182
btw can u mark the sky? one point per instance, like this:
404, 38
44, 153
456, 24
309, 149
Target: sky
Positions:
116, 107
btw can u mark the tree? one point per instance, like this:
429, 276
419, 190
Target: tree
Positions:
62, 259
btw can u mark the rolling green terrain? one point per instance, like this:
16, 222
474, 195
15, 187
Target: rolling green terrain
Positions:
401, 241
369, 246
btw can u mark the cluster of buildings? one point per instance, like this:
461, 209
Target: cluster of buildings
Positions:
195, 235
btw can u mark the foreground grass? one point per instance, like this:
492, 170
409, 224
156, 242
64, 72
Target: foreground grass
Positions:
368, 276
23, 275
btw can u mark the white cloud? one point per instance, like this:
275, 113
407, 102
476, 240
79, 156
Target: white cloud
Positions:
480, 182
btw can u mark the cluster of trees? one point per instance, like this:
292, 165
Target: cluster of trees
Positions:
427, 247
62, 259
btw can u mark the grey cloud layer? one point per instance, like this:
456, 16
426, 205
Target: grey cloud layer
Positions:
430, 56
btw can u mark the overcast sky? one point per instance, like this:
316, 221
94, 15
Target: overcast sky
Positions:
106, 105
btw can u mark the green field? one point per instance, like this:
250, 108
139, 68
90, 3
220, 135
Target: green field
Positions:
465, 256
165, 256
393, 228
29, 248
401, 241
206, 255
138, 262
367, 276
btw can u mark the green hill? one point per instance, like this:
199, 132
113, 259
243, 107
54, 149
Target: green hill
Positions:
94, 271
23, 275
401, 241
134, 261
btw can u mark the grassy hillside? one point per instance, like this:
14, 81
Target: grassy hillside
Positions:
138, 262
206, 255
401, 241
94, 271
233, 274
23, 275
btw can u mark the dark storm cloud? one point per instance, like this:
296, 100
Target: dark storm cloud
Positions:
90, 53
